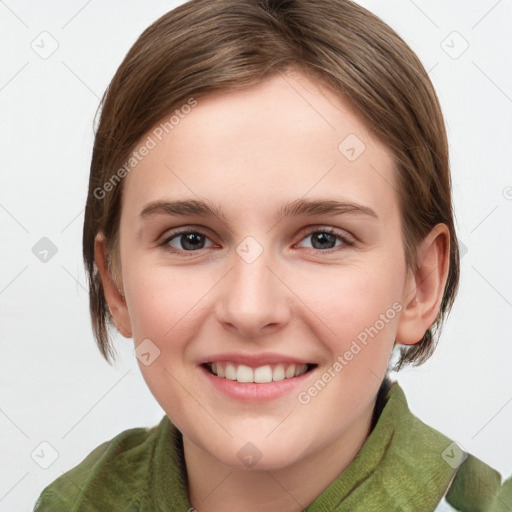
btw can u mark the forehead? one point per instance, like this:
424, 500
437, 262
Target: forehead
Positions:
284, 138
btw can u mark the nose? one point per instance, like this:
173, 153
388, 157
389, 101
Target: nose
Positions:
253, 301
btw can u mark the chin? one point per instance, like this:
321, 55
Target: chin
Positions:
257, 456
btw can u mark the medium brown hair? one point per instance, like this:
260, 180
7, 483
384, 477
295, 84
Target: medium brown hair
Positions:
204, 46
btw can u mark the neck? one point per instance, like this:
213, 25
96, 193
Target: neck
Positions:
214, 486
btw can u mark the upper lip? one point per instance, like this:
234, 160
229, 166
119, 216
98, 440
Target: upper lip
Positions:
254, 360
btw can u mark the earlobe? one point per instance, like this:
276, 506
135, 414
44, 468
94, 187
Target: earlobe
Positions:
114, 295
424, 287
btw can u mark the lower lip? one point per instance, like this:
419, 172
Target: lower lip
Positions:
253, 392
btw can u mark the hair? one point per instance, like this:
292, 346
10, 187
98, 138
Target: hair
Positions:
204, 46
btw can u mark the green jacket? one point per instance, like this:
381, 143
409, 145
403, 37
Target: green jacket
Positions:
404, 465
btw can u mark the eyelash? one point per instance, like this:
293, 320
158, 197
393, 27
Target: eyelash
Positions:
304, 234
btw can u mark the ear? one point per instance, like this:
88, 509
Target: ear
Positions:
113, 295
424, 288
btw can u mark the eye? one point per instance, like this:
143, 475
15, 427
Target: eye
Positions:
324, 238
186, 241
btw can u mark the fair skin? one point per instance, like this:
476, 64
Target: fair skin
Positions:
306, 296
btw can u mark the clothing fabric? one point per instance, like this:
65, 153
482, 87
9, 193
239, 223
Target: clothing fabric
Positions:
404, 465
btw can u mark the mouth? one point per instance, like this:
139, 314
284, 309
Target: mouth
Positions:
264, 374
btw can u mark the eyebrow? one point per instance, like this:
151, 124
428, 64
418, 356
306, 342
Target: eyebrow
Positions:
298, 207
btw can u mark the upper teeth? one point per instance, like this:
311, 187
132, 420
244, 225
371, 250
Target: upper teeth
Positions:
261, 374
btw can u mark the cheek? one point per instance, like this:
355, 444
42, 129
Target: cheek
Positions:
354, 298
162, 316
160, 299
163, 309
361, 310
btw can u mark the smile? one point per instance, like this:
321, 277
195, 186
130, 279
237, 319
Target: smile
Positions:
260, 375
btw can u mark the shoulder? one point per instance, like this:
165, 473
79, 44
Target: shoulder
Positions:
465, 482
115, 471
478, 486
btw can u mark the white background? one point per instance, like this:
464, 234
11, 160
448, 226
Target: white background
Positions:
55, 386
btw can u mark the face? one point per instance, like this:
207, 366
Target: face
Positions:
298, 267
